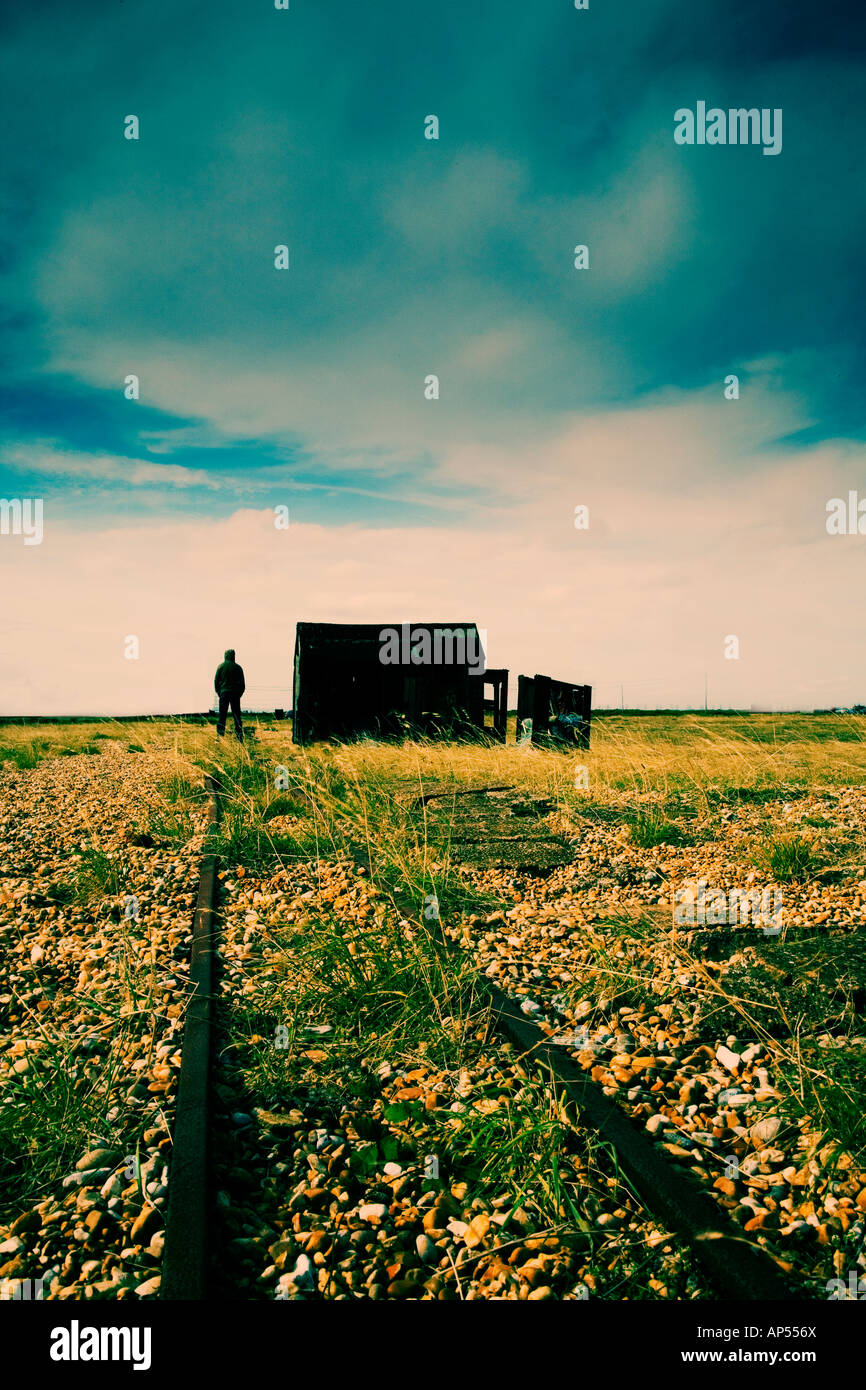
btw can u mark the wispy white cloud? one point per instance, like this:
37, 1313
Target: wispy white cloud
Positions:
47, 458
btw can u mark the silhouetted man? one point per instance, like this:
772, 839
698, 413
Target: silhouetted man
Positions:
230, 685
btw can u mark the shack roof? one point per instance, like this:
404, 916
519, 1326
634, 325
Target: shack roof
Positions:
308, 633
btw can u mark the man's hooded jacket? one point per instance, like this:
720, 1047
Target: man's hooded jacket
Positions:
229, 678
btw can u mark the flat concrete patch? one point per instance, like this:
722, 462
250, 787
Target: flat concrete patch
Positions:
495, 827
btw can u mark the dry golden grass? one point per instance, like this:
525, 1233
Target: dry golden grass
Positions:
646, 756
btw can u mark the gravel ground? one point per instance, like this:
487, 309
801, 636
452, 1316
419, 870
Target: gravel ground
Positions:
326, 1189
91, 1012
708, 1097
324, 1193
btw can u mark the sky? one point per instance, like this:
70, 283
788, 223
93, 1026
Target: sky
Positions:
303, 389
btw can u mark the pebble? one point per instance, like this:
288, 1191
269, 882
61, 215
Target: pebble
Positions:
426, 1248
95, 1159
145, 1224
764, 1131
735, 1098
303, 1274
476, 1230
92, 1178
372, 1211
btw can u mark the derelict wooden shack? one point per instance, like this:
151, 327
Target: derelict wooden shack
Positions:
377, 680
553, 712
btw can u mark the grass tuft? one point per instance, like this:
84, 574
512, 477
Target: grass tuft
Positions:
650, 828
787, 858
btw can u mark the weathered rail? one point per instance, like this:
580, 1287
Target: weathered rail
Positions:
737, 1268
186, 1255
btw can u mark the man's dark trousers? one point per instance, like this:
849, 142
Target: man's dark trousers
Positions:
230, 702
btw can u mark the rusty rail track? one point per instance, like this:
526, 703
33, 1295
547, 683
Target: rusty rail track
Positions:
738, 1269
185, 1258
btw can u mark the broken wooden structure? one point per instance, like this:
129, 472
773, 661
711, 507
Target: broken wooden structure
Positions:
355, 680
553, 713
